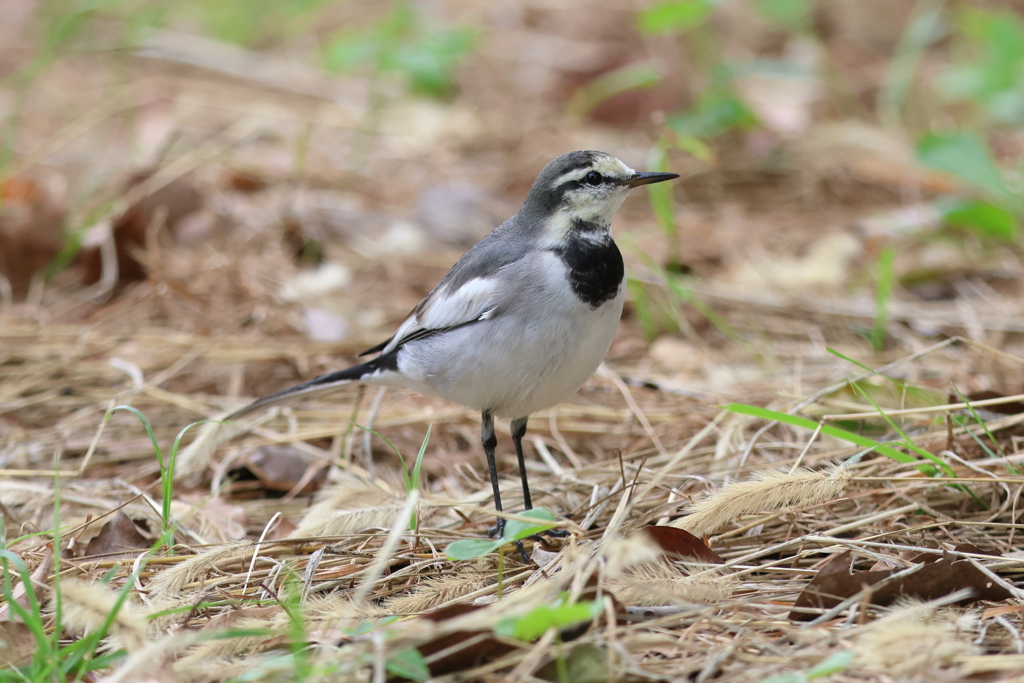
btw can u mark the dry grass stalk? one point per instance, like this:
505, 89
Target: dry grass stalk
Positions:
169, 583
196, 456
153, 657
638, 573
86, 605
267, 667
767, 491
666, 582
195, 663
622, 553
349, 507
331, 608
213, 520
463, 579
916, 640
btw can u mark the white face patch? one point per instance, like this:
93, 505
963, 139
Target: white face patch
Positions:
608, 166
591, 204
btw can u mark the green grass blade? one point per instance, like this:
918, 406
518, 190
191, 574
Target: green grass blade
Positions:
145, 423
883, 294
419, 457
31, 616
907, 442
405, 470
796, 421
902, 386
977, 418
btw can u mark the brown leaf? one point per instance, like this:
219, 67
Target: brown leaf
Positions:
119, 536
484, 650
30, 232
212, 517
281, 468
681, 544
246, 181
937, 577
1012, 408
178, 198
17, 644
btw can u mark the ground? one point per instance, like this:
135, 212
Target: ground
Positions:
820, 354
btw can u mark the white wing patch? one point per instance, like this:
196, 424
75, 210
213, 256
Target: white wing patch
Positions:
472, 301
467, 303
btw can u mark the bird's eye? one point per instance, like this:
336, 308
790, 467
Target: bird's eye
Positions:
593, 178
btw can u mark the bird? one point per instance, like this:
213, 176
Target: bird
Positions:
523, 318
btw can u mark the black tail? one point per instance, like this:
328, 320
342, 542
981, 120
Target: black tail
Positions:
322, 384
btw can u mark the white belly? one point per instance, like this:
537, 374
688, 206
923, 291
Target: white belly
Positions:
534, 355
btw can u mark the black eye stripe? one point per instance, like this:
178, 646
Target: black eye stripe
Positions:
587, 180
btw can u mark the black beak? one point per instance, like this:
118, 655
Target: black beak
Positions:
648, 178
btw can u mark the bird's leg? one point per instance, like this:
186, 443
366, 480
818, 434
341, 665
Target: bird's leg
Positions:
490, 442
518, 432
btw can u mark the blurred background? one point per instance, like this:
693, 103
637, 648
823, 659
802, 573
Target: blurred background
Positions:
205, 201
220, 198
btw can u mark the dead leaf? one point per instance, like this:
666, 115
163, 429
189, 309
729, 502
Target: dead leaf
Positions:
681, 544
30, 232
937, 577
855, 150
541, 556
17, 644
246, 181
215, 519
484, 650
281, 468
1011, 408
120, 536
584, 664
176, 200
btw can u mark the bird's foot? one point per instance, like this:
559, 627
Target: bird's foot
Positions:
556, 533
498, 530
522, 552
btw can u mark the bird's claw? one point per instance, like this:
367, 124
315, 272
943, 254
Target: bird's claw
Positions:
522, 552
556, 533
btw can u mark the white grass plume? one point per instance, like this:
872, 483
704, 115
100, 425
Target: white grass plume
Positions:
330, 608
767, 491
170, 582
349, 507
915, 638
320, 615
624, 552
668, 582
638, 573
86, 605
462, 579
196, 456
152, 657
197, 660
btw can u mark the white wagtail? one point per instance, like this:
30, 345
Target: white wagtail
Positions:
524, 318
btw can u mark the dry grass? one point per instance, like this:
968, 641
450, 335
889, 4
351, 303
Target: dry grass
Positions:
314, 590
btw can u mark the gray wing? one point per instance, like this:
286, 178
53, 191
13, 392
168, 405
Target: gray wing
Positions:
468, 293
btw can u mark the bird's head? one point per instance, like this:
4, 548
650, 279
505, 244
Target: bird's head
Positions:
581, 191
